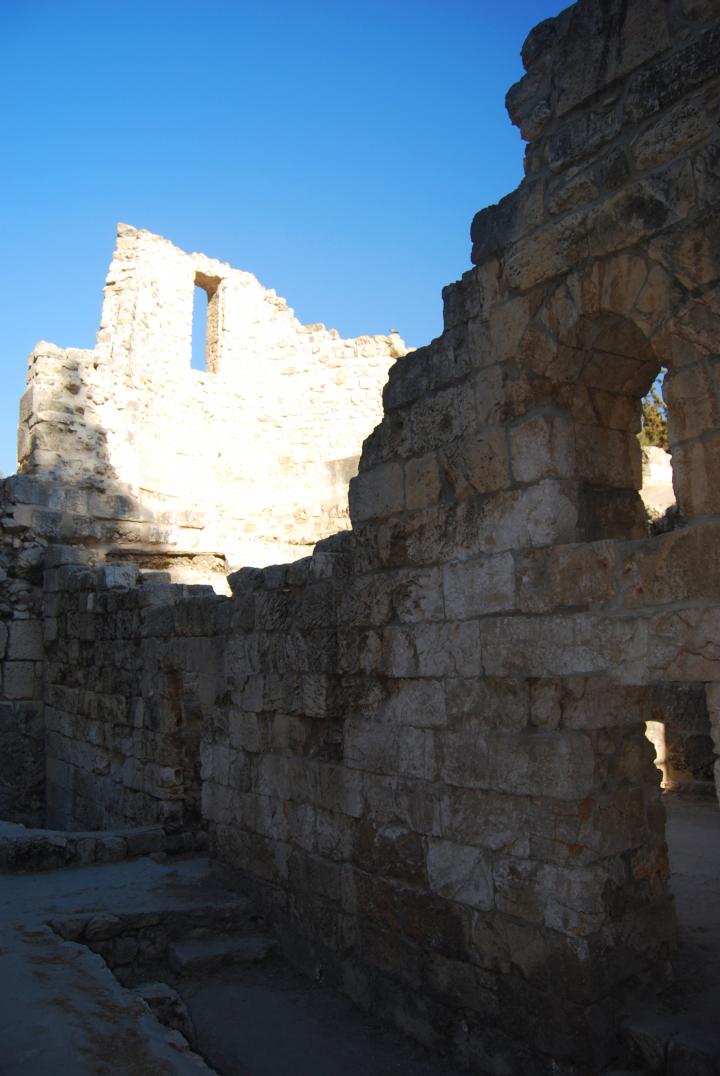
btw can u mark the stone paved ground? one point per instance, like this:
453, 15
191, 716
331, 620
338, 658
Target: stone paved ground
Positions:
61, 1008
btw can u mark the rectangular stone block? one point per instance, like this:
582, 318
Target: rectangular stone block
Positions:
431, 650
478, 587
57, 556
476, 464
571, 576
416, 702
461, 873
696, 464
378, 493
442, 418
416, 596
19, 680
422, 481
542, 447
557, 764
26, 640
386, 749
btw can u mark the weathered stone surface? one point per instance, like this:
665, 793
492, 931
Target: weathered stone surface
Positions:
25, 641
475, 588
377, 493
423, 744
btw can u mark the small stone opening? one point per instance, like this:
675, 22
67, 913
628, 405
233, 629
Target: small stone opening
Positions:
205, 324
615, 368
678, 726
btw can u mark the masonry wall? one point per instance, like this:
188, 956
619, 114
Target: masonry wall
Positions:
132, 669
249, 459
22, 758
423, 747
486, 860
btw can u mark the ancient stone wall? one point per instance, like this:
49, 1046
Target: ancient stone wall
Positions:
22, 752
132, 667
249, 458
475, 842
125, 450
423, 746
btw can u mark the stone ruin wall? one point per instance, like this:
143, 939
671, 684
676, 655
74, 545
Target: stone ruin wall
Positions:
248, 460
423, 746
125, 449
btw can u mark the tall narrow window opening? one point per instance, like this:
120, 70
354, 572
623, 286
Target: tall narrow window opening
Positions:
205, 324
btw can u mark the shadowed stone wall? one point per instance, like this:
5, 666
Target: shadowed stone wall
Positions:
133, 667
22, 741
460, 816
423, 747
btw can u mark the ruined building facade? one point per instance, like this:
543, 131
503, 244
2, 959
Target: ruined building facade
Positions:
423, 746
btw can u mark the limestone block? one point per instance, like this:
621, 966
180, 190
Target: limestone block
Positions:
365, 601
608, 457
415, 596
662, 84
378, 493
387, 749
25, 641
417, 702
498, 225
442, 418
464, 757
422, 481
683, 565
542, 447
547, 253
676, 131
451, 649
476, 464
566, 576
565, 194
391, 851
460, 872
488, 702
476, 588
57, 556
639, 211
527, 764
690, 394
697, 660
530, 892
19, 680
543, 514
601, 45
408, 380
691, 254
68, 577
695, 465
336, 788
569, 645
581, 137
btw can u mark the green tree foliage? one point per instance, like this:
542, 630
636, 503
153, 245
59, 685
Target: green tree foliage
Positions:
654, 420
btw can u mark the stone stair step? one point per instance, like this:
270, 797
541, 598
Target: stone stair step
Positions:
196, 955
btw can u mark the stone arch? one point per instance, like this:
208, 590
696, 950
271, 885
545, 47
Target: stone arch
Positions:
599, 338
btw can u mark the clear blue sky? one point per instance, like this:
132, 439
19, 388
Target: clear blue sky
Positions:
337, 150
